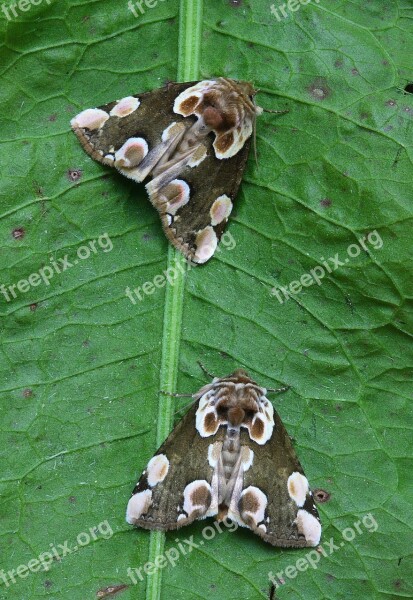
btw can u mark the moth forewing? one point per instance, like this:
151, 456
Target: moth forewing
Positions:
229, 457
192, 140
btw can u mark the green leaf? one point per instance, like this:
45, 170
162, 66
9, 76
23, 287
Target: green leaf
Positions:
82, 365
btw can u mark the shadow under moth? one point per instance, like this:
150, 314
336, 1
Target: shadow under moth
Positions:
191, 140
230, 457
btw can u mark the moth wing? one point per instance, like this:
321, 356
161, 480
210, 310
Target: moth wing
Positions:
194, 207
276, 502
176, 487
122, 133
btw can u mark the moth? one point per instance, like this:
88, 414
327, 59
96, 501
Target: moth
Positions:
191, 140
229, 457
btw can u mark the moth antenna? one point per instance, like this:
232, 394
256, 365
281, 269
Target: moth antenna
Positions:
174, 395
276, 112
254, 128
278, 390
205, 370
184, 407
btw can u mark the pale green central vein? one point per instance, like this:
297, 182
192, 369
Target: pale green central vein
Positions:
190, 24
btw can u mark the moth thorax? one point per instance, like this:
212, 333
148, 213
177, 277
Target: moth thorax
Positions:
230, 451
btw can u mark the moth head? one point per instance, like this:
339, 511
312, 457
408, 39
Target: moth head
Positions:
235, 401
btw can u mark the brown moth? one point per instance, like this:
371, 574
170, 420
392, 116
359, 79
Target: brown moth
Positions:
192, 140
229, 457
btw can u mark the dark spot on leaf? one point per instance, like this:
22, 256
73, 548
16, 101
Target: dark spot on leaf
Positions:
271, 594
72, 499
385, 63
33, 306
48, 584
330, 577
319, 90
235, 3
27, 393
111, 590
397, 584
146, 237
52, 118
339, 407
321, 495
364, 116
85, 18
339, 63
74, 174
18, 233
326, 202
391, 103
354, 72
86, 343
409, 88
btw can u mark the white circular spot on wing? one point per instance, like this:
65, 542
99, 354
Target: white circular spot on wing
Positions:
309, 526
158, 468
91, 118
220, 210
197, 497
181, 517
138, 505
131, 153
175, 195
253, 503
206, 243
125, 107
298, 488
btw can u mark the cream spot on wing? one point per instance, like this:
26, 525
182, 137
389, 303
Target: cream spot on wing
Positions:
175, 195
91, 118
263, 527
198, 156
185, 104
181, 517
309, 526
171, 131
125, 107
157, 468
298, 488
138, 505
109, 158
252, 505
206, 243
220, 210
131, 153
247, 457
197, 498
214, 452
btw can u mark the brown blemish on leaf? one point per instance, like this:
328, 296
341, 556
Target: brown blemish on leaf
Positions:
339, 63
27, 393
111, 590
52, 118
235, 3
72, 499
74, 174
319, 90
391, 103
48, 584
326, 202
397, 584
321, 495
18, 233
33, 306
354, 72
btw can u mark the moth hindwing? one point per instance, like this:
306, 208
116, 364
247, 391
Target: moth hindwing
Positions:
229, 457
192, 140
